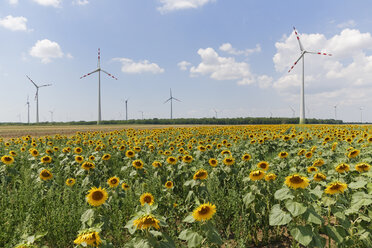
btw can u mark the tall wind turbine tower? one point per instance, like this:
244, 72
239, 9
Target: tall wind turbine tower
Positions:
293, 112
171, 102
335, 111
126, 109
28, 110
302, 56
99, 83
37, 96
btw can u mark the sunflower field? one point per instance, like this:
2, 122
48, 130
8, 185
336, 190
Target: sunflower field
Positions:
208, 186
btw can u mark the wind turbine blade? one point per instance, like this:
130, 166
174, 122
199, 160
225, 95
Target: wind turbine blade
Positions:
168, 100
99, 58
320, 53
31, 81
45, 85
88, 74
295, 63
298, 39
170, 91
109, 74
176, 99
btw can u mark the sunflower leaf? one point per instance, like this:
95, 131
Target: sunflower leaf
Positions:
312, 216
189, 219
283, 194
87, 217
193, 239
302, 234
278, 217
295, 208
248, 198
357, 185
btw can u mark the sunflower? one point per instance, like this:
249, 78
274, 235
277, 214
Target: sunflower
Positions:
146, 222
318, 162
335, 187
296, 181
113, 182
341, 168
89, 238
156, 164
106, 156
300, 140
256, 175
308, 154
263, 165
79, 159
13, 153
46, 159
34, 152
283, 154
213, 162
7, 159
96, 196
187, 159
70, 182
204, 212
169, 184
49, 151
362, 167
301, 152
334, 145
78, 150
319, 177
92, 158
312, 169
171, 160
138, 164
202, 148
146, 198
137, 149
353, 153
270, 177
200, 174
228, 161
246, 157
129, 154
88, 165
226, 152
46, 175
125, 186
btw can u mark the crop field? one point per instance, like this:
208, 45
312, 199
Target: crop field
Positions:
205, 186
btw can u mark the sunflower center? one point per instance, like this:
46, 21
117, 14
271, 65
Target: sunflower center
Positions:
114, 181
45, 174
201, 174
149, 221
335, 187
263, 166
296, 180
204, 210
169, 184
363, 166
97, 195
8, 159
147, 199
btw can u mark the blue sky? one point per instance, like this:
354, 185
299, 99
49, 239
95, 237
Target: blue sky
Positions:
217, 55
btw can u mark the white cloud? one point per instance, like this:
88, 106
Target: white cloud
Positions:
344, 77
222, 68
69, 56
80, 2
17, 23
129, 66
53, 3
13, 2
347, 24
173, 5
183, 65
227, 47
46, 50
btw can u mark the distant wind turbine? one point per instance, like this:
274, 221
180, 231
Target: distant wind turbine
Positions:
293, 112
37, 96
51, 115
335, 111
28, 110
171, 102
141, 113
99, 83
126, 109
302, 56
361, 114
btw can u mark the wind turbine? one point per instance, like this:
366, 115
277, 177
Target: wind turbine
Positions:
99, 83
302, 56
28, 110
141, 113
51, 115
293, 112
335, 111
126, 109
171, 102
37, 96
361, 114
